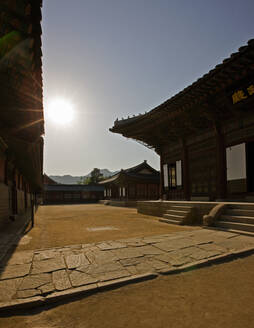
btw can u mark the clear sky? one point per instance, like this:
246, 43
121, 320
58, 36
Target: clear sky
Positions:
114, 58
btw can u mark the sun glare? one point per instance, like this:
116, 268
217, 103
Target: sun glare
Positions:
60, 111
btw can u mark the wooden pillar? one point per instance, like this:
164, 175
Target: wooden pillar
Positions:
161, 177
221, 166
186, 171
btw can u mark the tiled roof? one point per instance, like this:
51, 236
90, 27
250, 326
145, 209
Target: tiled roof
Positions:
133, 172
218, 78
77, 187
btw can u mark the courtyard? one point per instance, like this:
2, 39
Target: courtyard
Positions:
94, 261
216, 296
62, 225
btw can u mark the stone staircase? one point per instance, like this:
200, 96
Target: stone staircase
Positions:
237, 217
177, 214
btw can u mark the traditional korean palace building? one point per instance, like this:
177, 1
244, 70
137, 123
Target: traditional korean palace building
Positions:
21, 108
204, 135
72, 194
140, 182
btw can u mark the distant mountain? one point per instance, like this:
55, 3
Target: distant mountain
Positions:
65, 179
105, 172
69, 179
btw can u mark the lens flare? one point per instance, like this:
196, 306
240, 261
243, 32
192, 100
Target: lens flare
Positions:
60, 111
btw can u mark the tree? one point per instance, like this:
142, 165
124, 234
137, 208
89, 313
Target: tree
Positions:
96, 175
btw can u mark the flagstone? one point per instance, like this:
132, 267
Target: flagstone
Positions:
8, 288
235, 243
102, 268
113, 275
111, 245
213, 247
136, 243
200, 254
48, 265
131, 261
74, 261
48, 288
80, 278
61, 280
45, 255
154, 239
28, 293
126, 253
34, 281
101, 257
14, 271
132, 269
165, 246
23, 257
150, 250
156, 264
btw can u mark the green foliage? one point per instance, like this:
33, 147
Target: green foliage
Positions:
95, 177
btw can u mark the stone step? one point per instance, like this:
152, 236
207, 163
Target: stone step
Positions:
240, 212
174, 217
240, 232
177, 212
170, 221
241, 206
181, 207
235, 225
237, 219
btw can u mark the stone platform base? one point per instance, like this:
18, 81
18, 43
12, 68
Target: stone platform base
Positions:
120, 203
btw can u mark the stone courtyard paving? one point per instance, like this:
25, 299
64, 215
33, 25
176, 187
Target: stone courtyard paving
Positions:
35, 277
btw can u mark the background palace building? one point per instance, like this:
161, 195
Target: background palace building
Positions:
204, 135
140, 182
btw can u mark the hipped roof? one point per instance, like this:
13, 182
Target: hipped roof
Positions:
133, 173
191, 102
74, 187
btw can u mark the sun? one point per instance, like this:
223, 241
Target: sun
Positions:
60, 111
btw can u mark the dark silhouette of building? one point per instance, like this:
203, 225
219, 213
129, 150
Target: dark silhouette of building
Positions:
21, 108
72, 194
204, 135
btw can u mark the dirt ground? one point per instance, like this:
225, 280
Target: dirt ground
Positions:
63, 225
218, 296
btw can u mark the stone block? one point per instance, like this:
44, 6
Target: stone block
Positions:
48, 288
34, 281
74, 261
14, 271
48, 265
127, 253
28, 293
8, 288
23, 257
61, 280
80, 278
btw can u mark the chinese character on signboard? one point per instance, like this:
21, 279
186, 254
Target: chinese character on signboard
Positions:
250, 89
240, 95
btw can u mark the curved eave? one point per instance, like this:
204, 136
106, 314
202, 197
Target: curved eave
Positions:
217, 80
